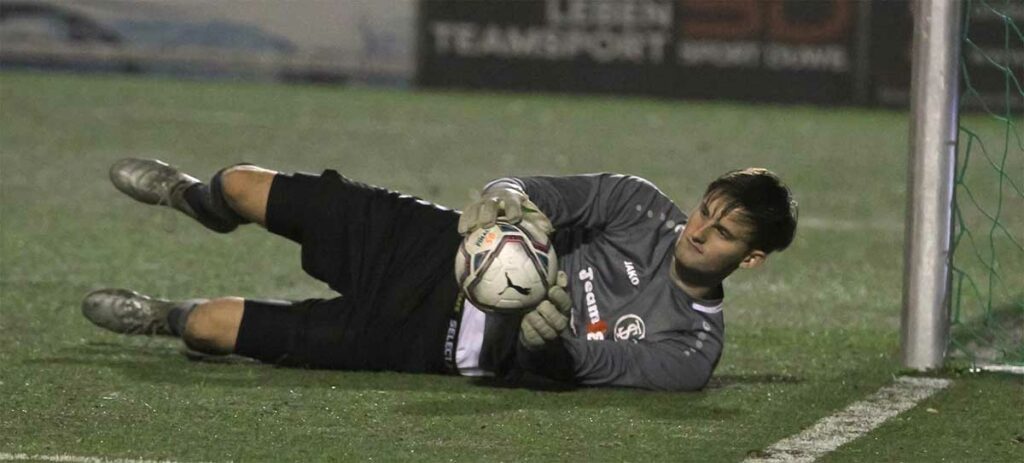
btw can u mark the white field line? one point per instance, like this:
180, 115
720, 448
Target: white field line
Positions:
65, 458
1012, 369
822, 223
851, 423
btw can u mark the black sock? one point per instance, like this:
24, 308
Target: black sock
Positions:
210, 206
177, 318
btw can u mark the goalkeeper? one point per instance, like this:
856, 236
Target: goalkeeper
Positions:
638, 301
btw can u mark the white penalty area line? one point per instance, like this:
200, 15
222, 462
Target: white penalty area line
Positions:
851, 423
64, 458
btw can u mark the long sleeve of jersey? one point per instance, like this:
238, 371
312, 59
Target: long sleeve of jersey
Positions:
592, 201
631, 325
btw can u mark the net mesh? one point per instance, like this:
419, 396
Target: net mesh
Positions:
988, 256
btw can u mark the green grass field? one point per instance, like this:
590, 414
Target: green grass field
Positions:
813, 331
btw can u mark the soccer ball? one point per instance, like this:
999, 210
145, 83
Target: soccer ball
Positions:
506, 268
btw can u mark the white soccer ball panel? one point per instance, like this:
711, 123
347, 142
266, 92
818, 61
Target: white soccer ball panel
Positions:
511, 280
505, 268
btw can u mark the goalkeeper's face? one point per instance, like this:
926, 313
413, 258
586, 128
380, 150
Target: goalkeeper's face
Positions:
715, 242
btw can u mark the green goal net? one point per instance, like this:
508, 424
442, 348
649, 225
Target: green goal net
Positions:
987, 304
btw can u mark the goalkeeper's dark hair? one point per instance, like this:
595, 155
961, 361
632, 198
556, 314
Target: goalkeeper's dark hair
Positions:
763, 200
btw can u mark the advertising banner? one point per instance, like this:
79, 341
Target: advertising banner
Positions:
745, 49
992, 54
822, 51
297, 40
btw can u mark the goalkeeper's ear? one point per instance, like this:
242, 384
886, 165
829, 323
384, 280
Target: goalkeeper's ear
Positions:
753, 259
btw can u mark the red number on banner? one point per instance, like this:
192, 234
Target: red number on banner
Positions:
744, 19
715, 19
835, 27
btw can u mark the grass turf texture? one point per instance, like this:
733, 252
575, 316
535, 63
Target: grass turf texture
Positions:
812, 332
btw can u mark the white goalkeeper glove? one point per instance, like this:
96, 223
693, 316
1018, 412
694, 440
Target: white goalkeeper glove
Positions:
544, 323
509, 204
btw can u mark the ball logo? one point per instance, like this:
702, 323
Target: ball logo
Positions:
518, 289
486, 239
630, 327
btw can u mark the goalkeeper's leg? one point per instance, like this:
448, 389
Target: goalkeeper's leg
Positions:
209, 326
206, 325
235, 195
212, 327
303, 333
246, 189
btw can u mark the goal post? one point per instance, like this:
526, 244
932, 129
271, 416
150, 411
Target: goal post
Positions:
931, 169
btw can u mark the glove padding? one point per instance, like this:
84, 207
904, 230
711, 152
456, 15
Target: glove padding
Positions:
545, 322
511, 205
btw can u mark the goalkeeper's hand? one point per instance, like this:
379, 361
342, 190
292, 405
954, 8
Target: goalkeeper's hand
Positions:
510, 204
544, 323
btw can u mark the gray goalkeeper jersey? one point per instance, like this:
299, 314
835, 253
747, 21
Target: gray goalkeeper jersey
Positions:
631, 325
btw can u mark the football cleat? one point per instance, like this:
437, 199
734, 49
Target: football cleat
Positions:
128, 312
153, 182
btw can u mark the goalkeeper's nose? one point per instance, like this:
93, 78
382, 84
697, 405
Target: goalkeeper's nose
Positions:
700, 235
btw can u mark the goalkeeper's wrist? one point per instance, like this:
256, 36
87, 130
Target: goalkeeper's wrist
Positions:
547, 344
503, 184
552, 359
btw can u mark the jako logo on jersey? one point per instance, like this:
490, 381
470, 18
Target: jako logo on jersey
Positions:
596, 327
631, 273
630, 327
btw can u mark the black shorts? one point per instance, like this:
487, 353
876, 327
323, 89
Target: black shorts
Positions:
389, 255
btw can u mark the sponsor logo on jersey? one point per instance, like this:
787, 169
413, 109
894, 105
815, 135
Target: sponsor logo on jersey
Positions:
634, 278
630, 327
595, 331
596, 327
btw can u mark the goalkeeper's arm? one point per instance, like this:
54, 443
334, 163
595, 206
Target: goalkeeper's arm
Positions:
675, 362
665, 365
